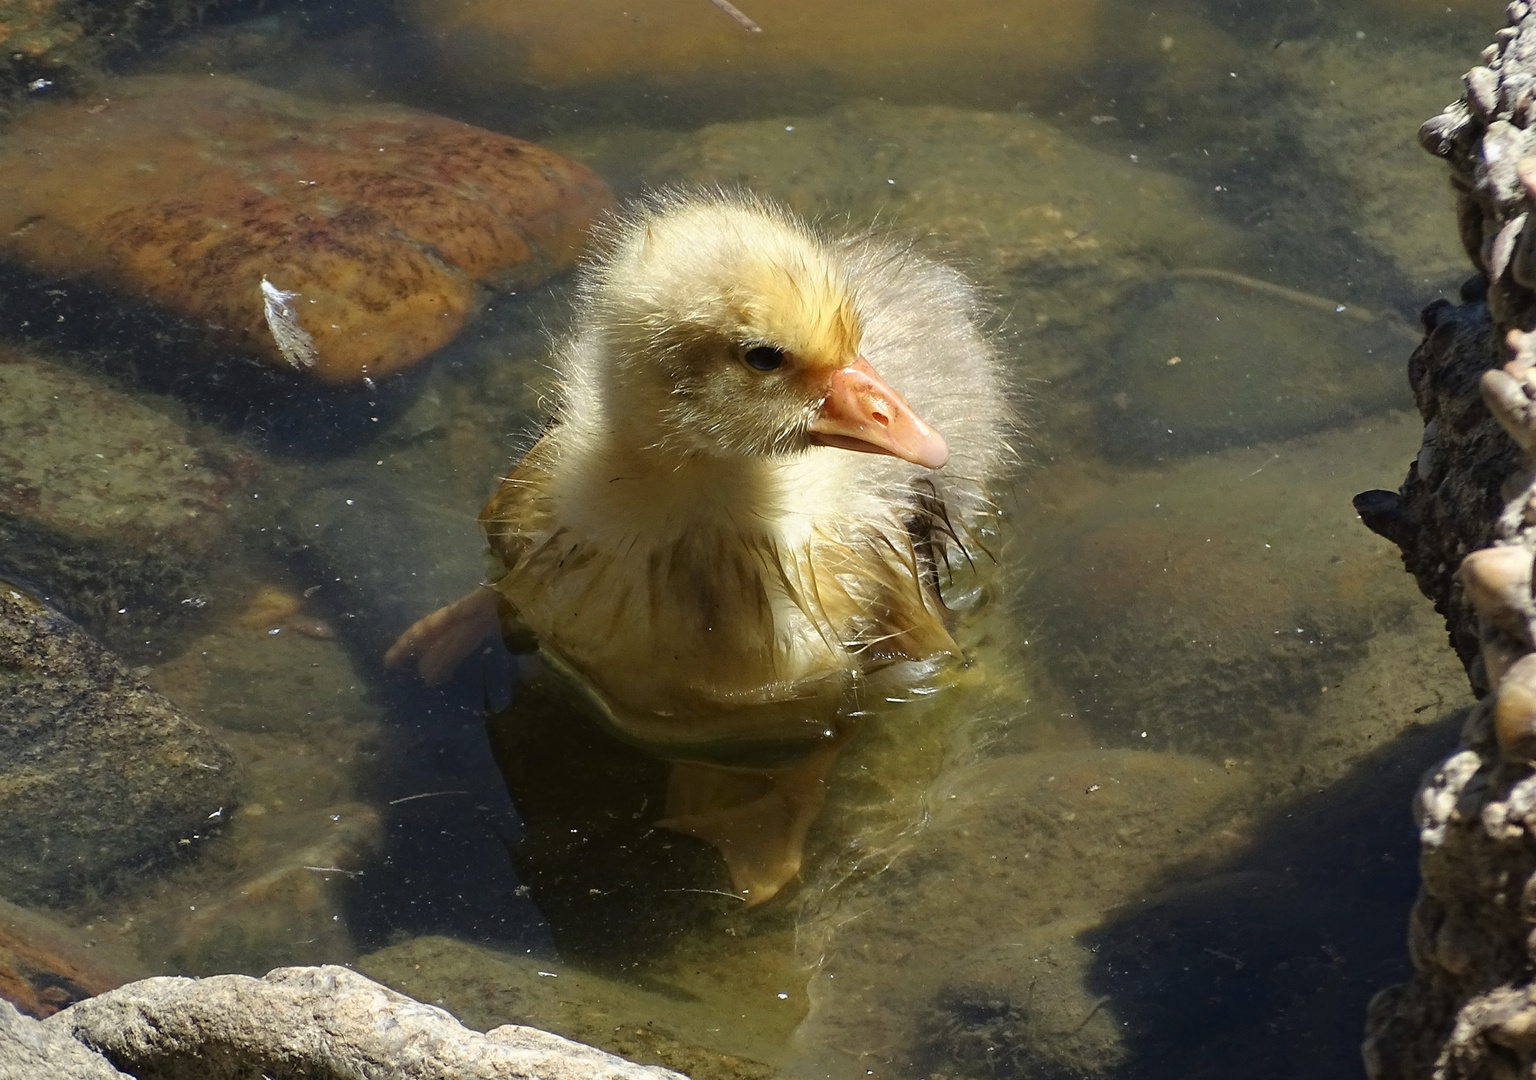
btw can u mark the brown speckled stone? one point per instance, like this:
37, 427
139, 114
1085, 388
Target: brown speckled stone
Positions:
185, 192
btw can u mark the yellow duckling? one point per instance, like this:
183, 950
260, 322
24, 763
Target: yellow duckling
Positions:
743, 504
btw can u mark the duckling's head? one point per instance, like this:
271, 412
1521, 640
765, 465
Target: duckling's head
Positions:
726, 326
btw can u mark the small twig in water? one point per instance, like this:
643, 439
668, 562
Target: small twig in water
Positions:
710, 892
1295, 296
424, 795
1097, 1005
740, 16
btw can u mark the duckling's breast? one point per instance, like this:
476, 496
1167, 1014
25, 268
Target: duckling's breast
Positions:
732, 628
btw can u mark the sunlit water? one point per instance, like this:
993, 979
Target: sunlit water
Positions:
1157, 826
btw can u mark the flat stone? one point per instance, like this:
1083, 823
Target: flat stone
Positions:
111, 503
695, 53
100, 777
1213, 604
1219, 360
186, 193
1060, 227
982, 903
1403, 206
321, 1022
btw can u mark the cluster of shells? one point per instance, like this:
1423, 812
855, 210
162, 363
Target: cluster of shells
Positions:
1489, 140
1498, 580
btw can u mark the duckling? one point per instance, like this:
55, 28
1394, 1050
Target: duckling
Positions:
767, 443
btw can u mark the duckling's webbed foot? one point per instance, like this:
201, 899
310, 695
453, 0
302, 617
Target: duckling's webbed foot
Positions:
757, 819
439, 642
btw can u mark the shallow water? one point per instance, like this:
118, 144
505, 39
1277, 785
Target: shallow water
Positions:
1158, 824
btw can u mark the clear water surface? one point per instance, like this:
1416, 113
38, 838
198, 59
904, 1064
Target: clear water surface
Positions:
1158, 826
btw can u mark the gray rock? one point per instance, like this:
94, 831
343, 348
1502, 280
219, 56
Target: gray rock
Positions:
31, 1050
317, 1022
100, 777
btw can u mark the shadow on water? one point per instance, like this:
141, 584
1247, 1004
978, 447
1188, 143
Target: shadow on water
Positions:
1265, 966
442, 867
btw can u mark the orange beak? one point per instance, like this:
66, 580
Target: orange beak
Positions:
862, 413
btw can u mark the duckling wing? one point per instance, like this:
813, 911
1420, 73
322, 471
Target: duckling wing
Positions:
519, 508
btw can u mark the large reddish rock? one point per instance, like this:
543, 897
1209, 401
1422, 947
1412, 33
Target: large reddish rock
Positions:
188, 192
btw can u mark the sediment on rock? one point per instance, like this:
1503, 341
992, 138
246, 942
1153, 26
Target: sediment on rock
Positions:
1465, 519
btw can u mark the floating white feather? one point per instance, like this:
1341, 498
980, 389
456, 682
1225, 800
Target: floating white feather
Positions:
293, 341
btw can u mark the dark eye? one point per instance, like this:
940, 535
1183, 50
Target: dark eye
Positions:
764, 358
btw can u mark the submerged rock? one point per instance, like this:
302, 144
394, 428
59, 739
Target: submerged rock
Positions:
281, 691
1059, 226
965, 940
100, 777
370, 226
110, 502
761, 53
484, 988
1346, 122
44, 968
1218, 360
1212, 603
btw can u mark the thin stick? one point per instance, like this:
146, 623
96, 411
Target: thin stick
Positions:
709, 892
1295, 296
424, 795
740, 16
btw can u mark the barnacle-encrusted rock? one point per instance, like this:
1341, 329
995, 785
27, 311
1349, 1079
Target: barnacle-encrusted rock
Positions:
1465, 520
371, 226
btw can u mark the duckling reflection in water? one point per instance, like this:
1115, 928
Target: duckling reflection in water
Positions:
734, 527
